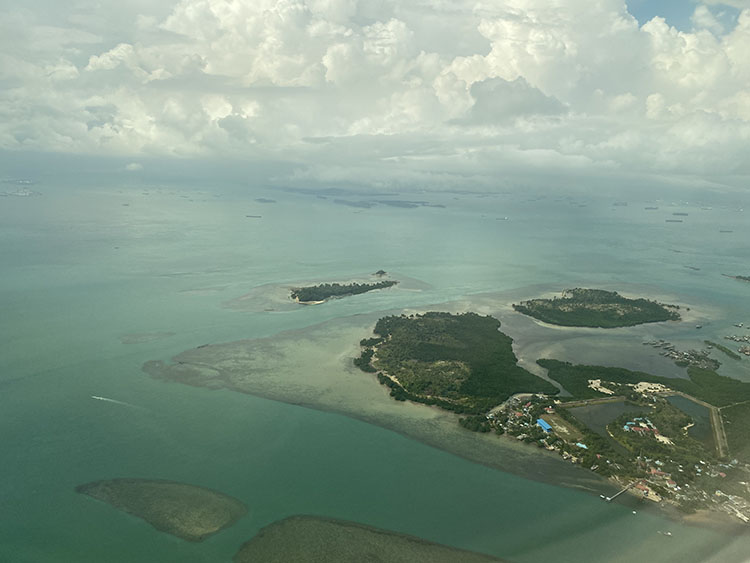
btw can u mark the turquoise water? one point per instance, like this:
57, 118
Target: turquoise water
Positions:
83, 273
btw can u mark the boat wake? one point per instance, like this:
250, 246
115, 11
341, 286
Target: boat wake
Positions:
115, 401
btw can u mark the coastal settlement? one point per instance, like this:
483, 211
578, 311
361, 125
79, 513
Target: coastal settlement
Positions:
465, 364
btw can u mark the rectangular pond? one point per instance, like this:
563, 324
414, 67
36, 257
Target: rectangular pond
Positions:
597, 417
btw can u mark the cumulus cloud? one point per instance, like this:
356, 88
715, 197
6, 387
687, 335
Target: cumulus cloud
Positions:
420, 92
497, 100
739, 4
703, 18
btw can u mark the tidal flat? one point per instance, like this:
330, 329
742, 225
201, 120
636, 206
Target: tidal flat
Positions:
323, 540
186, 511
312, 367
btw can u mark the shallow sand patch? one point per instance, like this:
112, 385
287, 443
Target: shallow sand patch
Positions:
322, 540
277, 297
313, 367
186, 511
142, 337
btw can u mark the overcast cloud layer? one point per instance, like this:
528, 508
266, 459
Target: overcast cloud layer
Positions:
378, 92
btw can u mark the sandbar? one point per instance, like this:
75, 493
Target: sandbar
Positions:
143, 337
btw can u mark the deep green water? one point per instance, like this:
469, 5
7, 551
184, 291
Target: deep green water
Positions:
701, 429
80, 270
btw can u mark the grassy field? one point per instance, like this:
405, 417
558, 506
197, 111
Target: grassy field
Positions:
736, 425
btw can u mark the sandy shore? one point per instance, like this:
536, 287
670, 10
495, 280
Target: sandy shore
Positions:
714, 519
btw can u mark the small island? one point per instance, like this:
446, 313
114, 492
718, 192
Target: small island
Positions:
314, 539
740, 278
728, 351
461, 363
316, 294
597, 308
186, 511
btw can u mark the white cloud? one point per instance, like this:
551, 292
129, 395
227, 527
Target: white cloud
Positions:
739, 4
703, 18
437, 90
497, 100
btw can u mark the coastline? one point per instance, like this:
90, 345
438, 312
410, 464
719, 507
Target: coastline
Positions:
714, 520
312, 368
688, 313
296, 300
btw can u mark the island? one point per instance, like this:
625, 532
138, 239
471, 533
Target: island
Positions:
316, 294
314, 539
462, 363
597, 308
186, 511
740, 278
728, 351
678, 441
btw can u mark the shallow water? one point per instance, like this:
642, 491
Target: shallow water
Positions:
92, 288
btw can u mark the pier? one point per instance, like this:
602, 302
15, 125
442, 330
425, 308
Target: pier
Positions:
613, 497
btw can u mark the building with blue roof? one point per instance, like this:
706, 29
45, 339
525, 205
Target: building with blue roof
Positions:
543, 425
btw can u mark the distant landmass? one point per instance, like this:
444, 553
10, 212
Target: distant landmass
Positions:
740, 278
186, 511
597, 308
325, 291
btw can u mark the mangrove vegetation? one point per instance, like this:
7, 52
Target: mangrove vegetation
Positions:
324, 291
597, 308
458, 362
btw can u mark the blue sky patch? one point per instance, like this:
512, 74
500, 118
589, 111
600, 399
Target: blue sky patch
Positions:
677, 13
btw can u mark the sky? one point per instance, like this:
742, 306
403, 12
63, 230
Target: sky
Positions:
438, 94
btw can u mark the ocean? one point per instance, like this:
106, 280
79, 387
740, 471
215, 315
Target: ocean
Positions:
97, 281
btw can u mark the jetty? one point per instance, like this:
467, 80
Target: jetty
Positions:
613, 497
